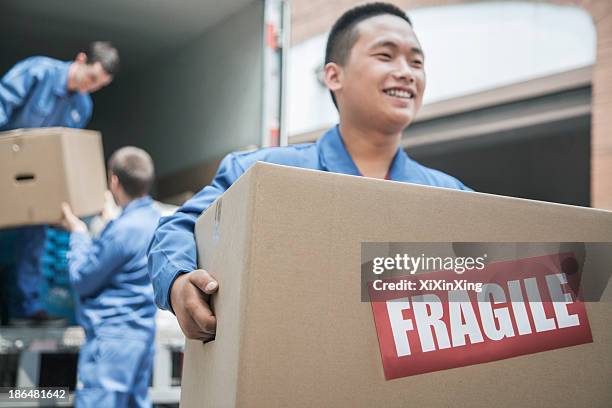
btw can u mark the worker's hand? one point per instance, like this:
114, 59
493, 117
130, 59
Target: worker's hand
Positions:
111, 210
70, 221
189, 297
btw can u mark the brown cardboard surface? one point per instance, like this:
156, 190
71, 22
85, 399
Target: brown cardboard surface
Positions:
284, 244
60, 165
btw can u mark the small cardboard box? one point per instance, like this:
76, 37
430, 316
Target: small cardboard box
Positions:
293, 331
41, 168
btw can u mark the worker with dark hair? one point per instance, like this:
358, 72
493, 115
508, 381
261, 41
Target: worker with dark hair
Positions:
114, 296
344, 32
375, 72
45, 92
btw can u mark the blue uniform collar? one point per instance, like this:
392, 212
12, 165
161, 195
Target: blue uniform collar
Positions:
137, 203
61, 85
335, 158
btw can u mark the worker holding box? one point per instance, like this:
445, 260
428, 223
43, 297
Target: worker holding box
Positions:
374, 68
45, 92
114, 293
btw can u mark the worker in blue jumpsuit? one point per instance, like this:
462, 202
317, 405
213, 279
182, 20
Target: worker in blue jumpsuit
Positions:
114, 302
45, 92
375, 72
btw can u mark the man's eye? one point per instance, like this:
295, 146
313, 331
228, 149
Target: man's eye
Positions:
417, 63
384, 56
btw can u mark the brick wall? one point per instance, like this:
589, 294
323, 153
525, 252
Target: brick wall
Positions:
312, 17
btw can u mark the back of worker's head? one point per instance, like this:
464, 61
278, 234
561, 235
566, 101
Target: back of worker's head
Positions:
133, 168
106, 54
345, 33
94, 69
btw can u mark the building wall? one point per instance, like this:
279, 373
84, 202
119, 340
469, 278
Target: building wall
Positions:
312, 17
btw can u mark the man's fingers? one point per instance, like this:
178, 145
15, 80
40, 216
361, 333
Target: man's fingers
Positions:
204, 281
66, 212
205, 320
189, 295
199, 310
193, 331
69, 216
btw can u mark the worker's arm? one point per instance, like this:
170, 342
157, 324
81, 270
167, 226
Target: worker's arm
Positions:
14, 89
179, 285
92, 263
464, 187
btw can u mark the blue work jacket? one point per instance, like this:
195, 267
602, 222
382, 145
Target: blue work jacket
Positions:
34, 94
173, 250
109, 274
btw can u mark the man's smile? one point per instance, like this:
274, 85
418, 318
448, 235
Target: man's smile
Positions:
400, 92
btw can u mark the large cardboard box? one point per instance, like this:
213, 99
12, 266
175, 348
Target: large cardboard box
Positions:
41, 168
293, 331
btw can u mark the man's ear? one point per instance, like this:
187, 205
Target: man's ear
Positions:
114, 182
81, 58
333, 76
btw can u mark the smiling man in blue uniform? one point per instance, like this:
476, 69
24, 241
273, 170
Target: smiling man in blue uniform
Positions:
114, 294
374, 68
45, 92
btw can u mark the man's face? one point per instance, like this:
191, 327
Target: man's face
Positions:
91, 77
383, 80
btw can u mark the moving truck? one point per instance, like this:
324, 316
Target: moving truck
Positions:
197, 80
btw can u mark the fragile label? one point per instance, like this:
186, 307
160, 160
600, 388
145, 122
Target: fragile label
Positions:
440, 321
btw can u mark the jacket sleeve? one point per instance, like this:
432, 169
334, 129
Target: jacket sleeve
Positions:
464, 187
14, 89
93, 263
172, 250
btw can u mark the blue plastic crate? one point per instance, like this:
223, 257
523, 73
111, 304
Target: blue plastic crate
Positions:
56, 292
58, 301
8, 240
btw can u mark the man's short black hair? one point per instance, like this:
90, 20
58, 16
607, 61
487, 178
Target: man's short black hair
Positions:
104, 53
134, 169
344, 33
